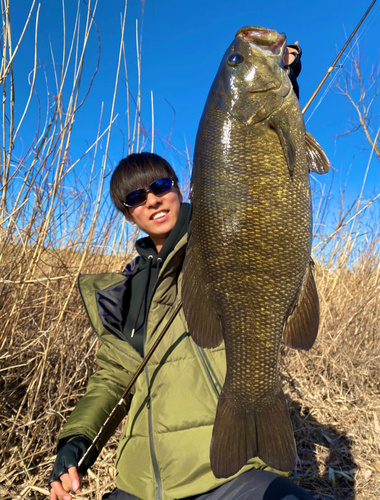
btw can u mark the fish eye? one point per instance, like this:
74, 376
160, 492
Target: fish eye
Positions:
235, 59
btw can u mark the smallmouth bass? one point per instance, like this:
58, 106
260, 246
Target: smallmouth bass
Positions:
247, 272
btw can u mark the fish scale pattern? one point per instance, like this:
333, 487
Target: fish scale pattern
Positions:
248, 253
251, 223
246, 268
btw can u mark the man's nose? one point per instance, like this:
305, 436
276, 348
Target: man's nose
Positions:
152, 199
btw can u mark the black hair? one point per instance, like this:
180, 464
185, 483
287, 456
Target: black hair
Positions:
136, 171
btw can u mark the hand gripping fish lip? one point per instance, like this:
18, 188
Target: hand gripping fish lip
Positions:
269, 40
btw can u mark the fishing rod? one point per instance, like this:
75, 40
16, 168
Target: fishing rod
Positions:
128, 388
337, 58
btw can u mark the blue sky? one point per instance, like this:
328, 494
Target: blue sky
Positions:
182, 45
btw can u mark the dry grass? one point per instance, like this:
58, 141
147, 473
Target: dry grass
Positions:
54, 226
333, 390
48, 352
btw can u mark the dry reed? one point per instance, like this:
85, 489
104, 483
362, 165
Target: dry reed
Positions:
49, 237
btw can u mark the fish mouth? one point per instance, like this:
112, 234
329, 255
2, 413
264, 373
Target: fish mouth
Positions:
263, 38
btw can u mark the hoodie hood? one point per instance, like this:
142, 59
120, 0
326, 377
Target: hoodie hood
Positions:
145, 246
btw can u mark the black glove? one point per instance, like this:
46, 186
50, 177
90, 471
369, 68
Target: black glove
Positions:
294, 69
68, 455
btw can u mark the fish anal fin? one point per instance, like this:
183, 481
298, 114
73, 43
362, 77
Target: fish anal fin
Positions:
317, 160
239, 435
202, 320
301, 327
284, 132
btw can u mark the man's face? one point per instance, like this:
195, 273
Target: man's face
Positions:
158, 216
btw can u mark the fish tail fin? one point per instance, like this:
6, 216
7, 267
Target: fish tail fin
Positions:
240, 434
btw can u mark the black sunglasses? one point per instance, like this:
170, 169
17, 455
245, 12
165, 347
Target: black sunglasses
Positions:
139, 196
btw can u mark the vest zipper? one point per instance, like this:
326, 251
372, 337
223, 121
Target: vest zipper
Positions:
209, 371
150, 416
151, 441
149, 405
212, 372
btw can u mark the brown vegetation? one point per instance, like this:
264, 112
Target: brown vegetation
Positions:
48, 352
51, 231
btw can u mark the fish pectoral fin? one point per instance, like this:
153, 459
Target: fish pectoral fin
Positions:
301, 327
242, 433
283, 130
317, 160
203, 322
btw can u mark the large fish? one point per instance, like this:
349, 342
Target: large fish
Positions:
247, 273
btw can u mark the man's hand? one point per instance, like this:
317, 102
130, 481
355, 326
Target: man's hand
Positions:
65, 476
70, 481
290, 54
292, 65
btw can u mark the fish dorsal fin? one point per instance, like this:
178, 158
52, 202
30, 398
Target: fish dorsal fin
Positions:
204, 325
301, 327
317, 160
281, 126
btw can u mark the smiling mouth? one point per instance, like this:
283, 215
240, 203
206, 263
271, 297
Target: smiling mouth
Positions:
159, 215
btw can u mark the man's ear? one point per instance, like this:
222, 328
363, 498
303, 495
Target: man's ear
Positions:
179, 193
129, 217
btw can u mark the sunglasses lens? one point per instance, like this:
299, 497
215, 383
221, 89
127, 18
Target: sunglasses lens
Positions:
136, 198
161, 186
158, 188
